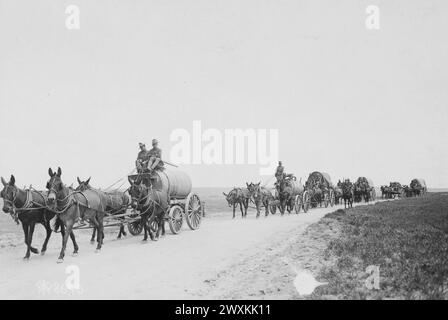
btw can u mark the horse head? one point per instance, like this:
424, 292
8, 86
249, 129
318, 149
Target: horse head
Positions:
83, 185
8, 194
54, 185
231, 196
138, 192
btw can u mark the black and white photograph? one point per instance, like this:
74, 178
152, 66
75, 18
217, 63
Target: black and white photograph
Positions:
213, 151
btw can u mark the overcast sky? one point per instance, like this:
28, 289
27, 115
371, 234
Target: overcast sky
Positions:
346, 100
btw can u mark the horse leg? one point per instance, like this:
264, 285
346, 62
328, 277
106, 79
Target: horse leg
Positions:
234, 206
72, 237
257, 205
48, 230
246, 205
151, 234
144, 222
68, 231
159, 225
100, 231
30, 238
92, 239
25, 228
121, 232
266, 206
241, 208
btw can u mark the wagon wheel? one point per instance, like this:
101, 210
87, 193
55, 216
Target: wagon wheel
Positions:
193, 211
326, 200
306, 201
135, 228
332, 199
298, 203
175, 219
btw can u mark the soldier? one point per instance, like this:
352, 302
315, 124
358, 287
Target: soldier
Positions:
142, 159
280, 172
155, 157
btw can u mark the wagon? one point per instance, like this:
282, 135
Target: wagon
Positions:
396, 189
184, 204
318, 190
364, 187
293, 198
418, 186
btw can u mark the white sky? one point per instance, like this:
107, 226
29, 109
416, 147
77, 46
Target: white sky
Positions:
346, 100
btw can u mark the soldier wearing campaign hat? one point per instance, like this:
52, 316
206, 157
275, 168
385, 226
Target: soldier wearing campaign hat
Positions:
155, 157
149, 160
142, 159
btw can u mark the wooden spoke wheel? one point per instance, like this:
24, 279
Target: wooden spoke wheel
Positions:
193, 211
135, 228
176, 219
306, 200
298, 203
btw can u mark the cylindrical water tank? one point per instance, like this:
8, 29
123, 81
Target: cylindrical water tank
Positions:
177, 183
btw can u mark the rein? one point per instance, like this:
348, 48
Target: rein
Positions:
28, 205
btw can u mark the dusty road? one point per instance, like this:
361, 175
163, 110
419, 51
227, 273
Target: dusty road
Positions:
183, 266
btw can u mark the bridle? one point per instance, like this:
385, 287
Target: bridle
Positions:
146, 199
12, 203
68, 199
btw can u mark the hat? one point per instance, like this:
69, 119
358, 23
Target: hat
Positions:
154, 141
141, 144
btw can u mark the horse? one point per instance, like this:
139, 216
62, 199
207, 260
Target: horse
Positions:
238, 196
30, 207
286, 193
347, 193
338, 193
358, 192
153, 204
116, 203
73, 206
261, 197
386, 192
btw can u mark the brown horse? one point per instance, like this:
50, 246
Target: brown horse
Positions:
347, 193
261, 197
152, 204
238, 196
73, 206
30, 207
287, 191
116, 203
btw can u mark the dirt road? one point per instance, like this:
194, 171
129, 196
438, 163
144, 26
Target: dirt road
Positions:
183, 266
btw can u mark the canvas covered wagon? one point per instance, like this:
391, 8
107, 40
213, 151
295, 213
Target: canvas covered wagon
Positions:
319, 190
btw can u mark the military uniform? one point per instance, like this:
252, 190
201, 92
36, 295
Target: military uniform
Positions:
280, 173
142, 161
155, 159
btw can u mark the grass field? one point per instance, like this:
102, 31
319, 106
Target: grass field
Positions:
406, 239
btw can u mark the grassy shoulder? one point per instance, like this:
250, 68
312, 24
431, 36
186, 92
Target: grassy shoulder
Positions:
407, 239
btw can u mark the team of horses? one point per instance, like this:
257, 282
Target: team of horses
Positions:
395, 189
286, 192
252, 193
84, 205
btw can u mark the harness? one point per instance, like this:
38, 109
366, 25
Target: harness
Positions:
27, 206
